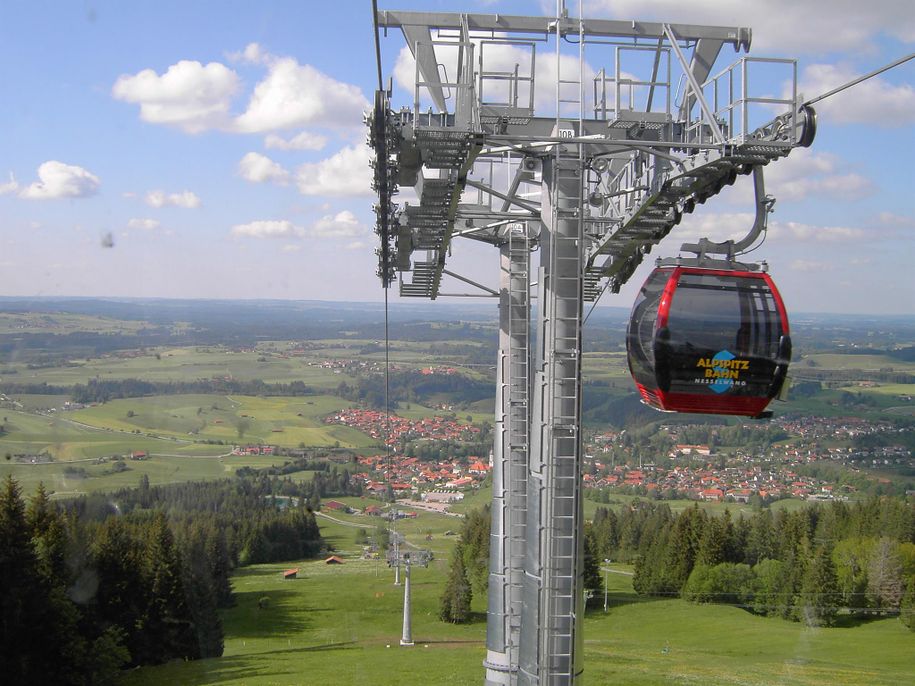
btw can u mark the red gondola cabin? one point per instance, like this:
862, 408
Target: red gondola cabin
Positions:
711, 341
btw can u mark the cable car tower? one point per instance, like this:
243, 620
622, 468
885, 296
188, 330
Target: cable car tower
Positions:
586, 141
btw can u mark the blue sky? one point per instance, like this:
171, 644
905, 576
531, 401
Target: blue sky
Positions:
221, 146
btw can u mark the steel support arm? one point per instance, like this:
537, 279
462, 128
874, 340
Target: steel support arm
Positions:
739, 37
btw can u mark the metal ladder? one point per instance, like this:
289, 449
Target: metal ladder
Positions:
518, 421
562, 567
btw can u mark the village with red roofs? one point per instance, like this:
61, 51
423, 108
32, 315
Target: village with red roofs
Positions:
694, 471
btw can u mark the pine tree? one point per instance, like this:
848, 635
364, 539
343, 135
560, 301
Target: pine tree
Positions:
39, 641
761, 541
591, 572
684, 545
170, 631
907, 605
200, 593
18, 601
715, 542
122, 594
220, 565
455, 602
474, 543
819, 591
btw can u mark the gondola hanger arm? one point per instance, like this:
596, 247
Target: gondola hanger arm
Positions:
764, 204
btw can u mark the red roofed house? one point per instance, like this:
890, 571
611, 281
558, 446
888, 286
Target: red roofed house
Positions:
460, 483
712, 494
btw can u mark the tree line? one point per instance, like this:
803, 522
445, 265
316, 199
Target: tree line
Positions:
103, 390
413, 387
137, 577
404, 387
809, 565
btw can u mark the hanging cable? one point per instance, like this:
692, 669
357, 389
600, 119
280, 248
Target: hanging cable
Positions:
387, 433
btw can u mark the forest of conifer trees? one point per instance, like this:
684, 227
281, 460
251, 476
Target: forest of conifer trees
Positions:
813, 565
817, 564
137, 577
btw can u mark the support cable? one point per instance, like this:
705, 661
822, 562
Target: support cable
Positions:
386, 286
855, 82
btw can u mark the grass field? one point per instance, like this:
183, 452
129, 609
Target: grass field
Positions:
182, 364
233, 419
341, 624
100, 477
81, 443
269, 362
605, 366
863, 362
64, 323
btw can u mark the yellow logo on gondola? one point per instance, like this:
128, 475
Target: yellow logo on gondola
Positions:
722, 372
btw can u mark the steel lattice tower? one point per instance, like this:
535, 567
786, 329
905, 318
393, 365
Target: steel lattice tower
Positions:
592, 171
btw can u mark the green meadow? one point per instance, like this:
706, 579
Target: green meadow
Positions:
269, 362
605, 367
342, 624
64, 323
71, 479
185, 438
284, 421
862, 362
186, 364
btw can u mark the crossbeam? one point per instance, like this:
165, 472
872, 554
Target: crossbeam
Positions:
737, 36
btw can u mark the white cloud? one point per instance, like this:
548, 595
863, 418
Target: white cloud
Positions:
189, 95
723, 226
291, 248
186, 199
808, 232
59, 180
296, 94
195, 97
810, 266
346, 173
11, 187
268, 228
804, 173
252, 54
302, 141
875, 101
896, 220
786, 26
145, 224
342, 224
258, 168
